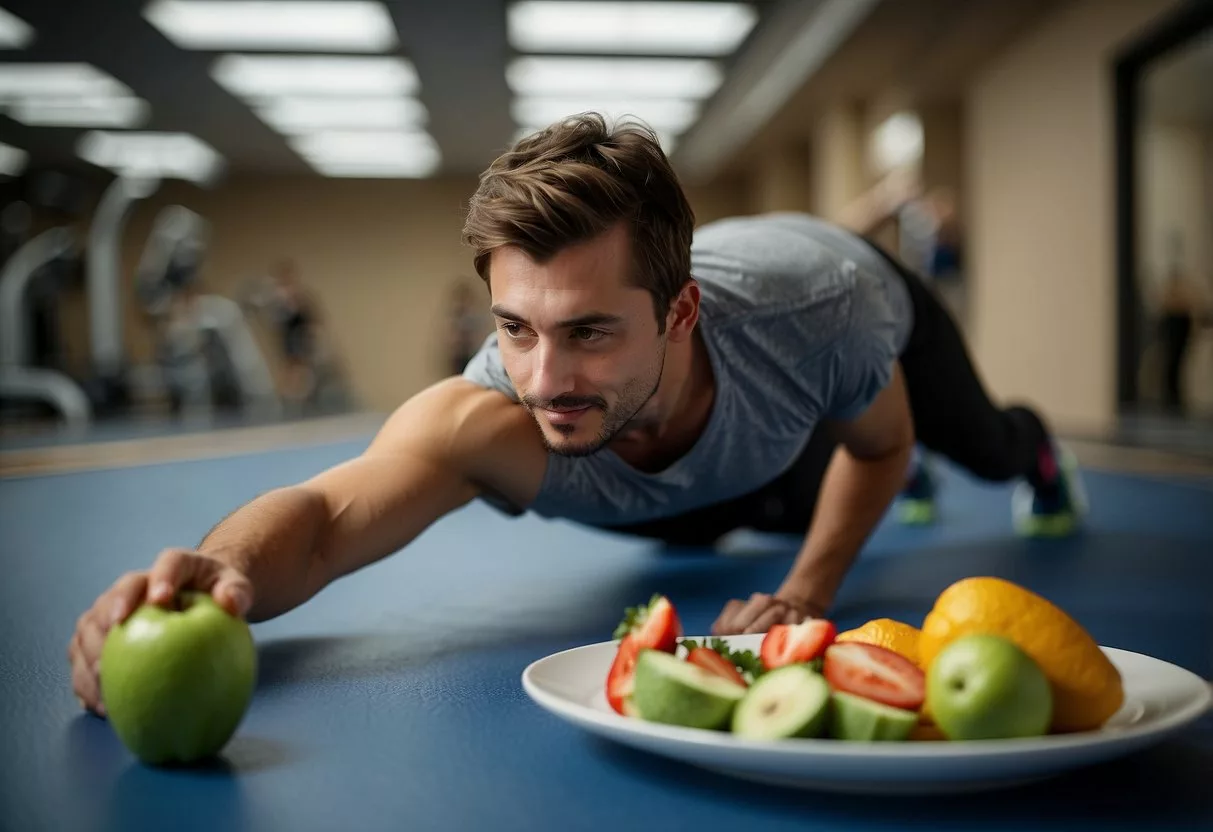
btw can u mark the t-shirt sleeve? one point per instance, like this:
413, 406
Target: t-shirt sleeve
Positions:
866, 350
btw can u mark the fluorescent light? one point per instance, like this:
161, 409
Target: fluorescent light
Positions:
657, 77
683, 28
67, 95
303, 115
15, 33
12, 160
25, 80
673, 115
307, 25
251, 76
152, 155
665, 139
418, 169
369, 152
80, 111
359, 145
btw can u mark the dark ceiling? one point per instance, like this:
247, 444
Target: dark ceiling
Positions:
459, 48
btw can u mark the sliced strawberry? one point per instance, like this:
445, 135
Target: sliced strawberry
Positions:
654, 626
620, 679
875, 673
796, 643
710, 660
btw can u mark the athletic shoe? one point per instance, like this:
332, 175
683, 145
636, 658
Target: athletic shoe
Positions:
1055, 511
916, 503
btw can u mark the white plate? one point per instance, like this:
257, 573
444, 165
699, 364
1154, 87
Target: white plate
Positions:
1160, 700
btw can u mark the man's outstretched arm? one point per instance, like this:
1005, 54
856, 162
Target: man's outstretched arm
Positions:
279, 550
867, 471
292, 542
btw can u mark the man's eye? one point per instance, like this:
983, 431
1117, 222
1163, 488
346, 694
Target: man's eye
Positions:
584, 333
513, 330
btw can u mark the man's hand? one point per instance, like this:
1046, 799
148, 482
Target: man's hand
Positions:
760, 613
173, 571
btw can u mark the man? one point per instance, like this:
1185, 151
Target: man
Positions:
642, 384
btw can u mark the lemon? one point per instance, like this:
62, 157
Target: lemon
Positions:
893, 635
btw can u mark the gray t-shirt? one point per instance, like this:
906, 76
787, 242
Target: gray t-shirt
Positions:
803, 321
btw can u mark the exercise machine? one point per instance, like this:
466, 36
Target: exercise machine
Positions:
20, 378
207, 358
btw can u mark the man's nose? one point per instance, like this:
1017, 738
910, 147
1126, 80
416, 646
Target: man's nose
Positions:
551, 372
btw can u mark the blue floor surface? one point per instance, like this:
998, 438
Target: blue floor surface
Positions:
393, 701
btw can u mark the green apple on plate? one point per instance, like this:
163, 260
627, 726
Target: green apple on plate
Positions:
983, 686
176, 682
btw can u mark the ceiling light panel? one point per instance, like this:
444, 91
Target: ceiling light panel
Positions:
369, 153
666, 139
420, 168
300, 114
255, 76
152, 155
31, 80
671, 115
80, 111
650, 77
363, 145
290, 25
658, 28
68, 95
15, 33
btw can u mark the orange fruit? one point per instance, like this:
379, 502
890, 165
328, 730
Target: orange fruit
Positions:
1087, 688
885, 632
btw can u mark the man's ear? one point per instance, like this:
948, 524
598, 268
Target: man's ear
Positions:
684, 312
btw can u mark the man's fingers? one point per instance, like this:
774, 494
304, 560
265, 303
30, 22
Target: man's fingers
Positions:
125, 597
73, 645
794, 616
174, 569
84, 683
234, 592
748, 614
771, 616
92, 639
725, 619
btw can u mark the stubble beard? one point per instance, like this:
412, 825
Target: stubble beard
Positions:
634, 396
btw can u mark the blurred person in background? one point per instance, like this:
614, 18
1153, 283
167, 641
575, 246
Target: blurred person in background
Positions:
295, 315
1182, 308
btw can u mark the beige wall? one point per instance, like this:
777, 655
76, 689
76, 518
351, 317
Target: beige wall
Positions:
781, 180
1041, 213
943, 144
379, 255
838, 169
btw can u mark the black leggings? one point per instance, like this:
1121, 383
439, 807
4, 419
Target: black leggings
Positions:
953, 417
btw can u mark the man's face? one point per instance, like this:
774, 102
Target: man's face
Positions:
579, 343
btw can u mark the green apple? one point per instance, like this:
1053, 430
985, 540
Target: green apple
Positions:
176, 682
985, 686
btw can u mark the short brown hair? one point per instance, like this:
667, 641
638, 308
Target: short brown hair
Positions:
574, 180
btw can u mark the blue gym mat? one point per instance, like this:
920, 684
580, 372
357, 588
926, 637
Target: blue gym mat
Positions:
393, 700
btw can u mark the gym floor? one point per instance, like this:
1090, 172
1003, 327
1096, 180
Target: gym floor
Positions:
393, 699
26, 451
